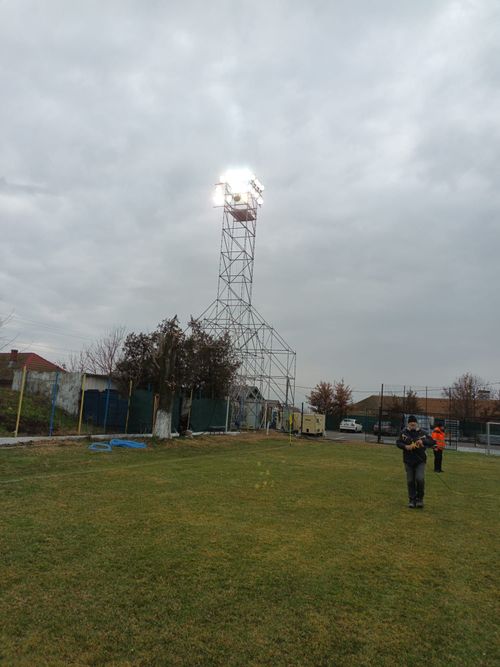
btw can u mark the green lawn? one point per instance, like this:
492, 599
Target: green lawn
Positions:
245, 551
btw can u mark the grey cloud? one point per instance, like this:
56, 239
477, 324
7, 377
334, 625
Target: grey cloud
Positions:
374, 130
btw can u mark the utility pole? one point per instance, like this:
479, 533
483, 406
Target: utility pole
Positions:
381, 405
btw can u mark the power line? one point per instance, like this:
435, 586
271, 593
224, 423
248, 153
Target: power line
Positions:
47, 328
25, 347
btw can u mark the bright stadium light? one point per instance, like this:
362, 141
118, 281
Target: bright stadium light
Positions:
238, 180
236, 186
219, 195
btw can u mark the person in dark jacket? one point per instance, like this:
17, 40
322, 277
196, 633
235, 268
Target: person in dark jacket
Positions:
414, 441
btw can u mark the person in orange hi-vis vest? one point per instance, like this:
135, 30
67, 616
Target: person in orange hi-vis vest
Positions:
438, 437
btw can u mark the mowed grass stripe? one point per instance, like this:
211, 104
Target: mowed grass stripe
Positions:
40, 457
258, 553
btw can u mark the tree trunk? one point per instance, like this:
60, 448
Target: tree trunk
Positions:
163, 424
168, 353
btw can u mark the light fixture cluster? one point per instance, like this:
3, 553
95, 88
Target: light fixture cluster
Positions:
236, 186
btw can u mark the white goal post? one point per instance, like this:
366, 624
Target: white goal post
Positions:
492, 439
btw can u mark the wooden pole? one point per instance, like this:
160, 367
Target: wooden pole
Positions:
20, 405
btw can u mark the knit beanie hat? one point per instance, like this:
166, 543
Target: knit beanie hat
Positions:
412, 418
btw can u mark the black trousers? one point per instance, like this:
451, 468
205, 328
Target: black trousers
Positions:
415, 479
438, 460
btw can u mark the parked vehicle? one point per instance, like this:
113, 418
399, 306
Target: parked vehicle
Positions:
386, 428
350, 425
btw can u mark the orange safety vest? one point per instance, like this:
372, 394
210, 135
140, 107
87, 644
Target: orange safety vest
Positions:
438, 437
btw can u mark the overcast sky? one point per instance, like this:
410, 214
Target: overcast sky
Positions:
375, 127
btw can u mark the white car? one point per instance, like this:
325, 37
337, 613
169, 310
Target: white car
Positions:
350, 425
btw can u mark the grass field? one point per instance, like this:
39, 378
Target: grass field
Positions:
248, 551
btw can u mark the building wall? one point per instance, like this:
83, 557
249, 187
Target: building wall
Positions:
69, 386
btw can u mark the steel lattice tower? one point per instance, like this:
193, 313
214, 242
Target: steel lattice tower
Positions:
266, 361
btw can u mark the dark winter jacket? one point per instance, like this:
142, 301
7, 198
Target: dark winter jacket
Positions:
414, 456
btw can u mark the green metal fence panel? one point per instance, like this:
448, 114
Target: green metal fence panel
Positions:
332, 422
140, 418
208, 414
472, 429
176, 413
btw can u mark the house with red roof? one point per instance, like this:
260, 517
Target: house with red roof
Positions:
15, 360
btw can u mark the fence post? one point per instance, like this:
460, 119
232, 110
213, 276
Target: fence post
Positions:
81, 404
188, 425
55, 389
20, 405
156, 399
227, 413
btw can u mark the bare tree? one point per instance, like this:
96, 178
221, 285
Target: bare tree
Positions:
411, 403
400, 405
395, 408
76, 362
103, 355
464, 394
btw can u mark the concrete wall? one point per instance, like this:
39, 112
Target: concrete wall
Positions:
69, 387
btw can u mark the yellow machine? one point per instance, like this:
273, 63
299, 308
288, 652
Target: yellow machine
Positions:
310, 424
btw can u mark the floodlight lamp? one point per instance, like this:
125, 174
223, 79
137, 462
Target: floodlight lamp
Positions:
219, 195
257, 185
238, 180
238, 186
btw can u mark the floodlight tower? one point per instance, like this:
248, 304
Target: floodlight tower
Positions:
266, 361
